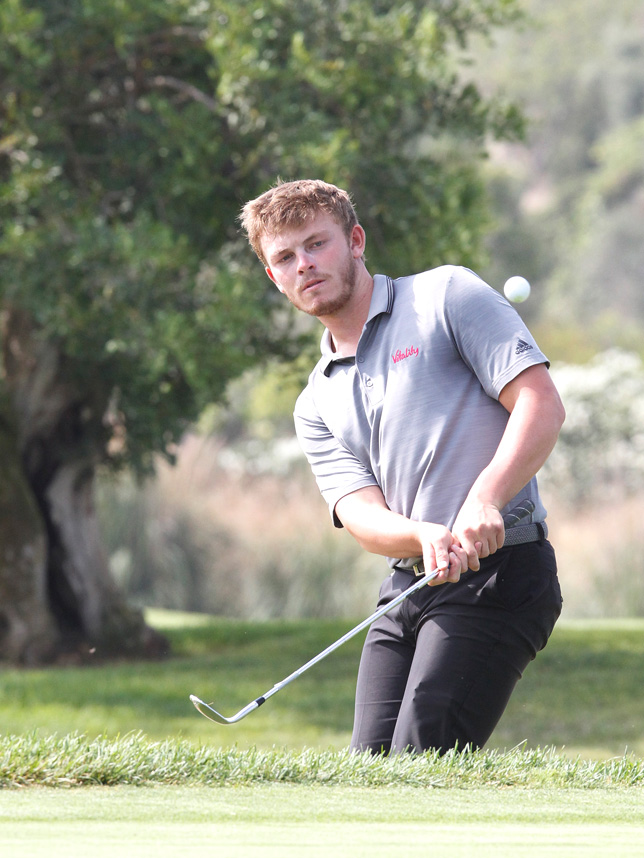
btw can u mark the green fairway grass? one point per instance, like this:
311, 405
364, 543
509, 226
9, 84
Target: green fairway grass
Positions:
583, 694
112, 759
343, 822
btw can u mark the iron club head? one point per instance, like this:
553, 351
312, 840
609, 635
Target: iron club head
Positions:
208, 712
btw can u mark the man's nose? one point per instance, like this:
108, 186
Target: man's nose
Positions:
304, 261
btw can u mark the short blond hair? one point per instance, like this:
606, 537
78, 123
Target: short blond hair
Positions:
288, 205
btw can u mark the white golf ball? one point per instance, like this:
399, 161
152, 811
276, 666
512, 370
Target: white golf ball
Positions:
516, 289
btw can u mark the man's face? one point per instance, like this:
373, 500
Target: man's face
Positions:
315, 265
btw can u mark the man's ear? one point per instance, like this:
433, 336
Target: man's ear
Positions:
272, 277
357, 241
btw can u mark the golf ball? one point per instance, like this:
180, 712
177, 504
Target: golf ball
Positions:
516, 289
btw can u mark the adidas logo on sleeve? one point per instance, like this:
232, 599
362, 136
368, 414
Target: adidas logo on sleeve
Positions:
522, 347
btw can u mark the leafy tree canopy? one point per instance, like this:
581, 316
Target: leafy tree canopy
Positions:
131, 133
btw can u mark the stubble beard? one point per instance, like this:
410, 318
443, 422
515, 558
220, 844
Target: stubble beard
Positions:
334, 304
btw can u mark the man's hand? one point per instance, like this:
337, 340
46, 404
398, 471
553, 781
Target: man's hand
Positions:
479, 530
442, 552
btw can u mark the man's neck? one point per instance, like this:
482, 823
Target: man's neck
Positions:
345, 326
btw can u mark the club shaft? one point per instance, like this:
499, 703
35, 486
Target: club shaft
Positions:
423, 581
511, 519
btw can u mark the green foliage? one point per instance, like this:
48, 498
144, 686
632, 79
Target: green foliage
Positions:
602, 270
575, 68
570, 217
117, 194
132, 133
259, 404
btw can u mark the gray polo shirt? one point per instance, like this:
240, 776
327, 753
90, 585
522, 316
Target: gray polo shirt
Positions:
416, 411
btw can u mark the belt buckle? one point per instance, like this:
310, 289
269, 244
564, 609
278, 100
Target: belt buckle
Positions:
419, 569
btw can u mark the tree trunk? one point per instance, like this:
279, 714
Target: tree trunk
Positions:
60, 440
28, 633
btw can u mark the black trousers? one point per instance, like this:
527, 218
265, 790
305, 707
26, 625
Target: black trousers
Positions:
438, 670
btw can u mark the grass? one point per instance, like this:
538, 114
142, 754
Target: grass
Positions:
134, 760
583, 695
348, 822
113, 759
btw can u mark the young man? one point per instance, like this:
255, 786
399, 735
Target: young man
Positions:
425, 420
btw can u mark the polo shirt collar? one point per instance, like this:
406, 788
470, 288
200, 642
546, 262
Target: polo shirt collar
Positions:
382, 301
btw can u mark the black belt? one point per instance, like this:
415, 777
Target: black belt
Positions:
518, 535
525, 533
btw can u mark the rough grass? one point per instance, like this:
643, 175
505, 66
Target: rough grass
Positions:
71, 761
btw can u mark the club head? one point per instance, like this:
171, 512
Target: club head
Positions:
208, 712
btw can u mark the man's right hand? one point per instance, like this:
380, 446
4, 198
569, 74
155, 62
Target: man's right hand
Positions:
369, 520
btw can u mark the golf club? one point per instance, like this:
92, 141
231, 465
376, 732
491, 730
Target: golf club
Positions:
525, 508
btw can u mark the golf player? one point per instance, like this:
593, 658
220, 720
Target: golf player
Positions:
425, 420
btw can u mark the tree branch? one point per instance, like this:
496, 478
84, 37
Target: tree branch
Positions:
165, 81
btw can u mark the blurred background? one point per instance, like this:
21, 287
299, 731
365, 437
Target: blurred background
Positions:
149, 372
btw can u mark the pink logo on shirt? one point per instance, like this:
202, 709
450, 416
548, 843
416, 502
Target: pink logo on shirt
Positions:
400, 355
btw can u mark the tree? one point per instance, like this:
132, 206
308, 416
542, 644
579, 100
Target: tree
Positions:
130, 136
600, 279
570, 200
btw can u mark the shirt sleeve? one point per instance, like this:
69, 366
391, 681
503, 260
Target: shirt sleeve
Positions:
490, 335
337, 471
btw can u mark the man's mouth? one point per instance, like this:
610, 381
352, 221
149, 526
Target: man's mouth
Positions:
310, 284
